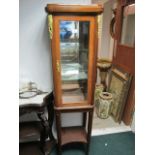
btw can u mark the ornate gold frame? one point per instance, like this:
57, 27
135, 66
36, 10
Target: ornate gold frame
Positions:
119, 85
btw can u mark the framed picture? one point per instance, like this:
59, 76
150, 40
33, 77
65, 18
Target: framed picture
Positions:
119, 84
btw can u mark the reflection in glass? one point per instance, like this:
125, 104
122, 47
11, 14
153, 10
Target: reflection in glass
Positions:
74, 60
128, 27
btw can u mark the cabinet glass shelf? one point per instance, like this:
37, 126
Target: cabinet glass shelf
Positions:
73, 72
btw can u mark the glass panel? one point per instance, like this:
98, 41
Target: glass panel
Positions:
74, 43
128, 27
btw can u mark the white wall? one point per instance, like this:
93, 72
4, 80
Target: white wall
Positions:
107, 41
34, 46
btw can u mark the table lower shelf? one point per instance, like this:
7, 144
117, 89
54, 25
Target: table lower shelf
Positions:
32, 148
30, 131
73, 134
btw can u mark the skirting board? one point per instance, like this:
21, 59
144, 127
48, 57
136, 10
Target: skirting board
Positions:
97, 132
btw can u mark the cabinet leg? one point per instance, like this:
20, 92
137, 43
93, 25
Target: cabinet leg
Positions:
59, 150
84, 119
87, 148
58, 127
90, 119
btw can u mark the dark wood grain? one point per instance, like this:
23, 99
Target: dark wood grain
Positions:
30, 149
30, 131
58, 127
90, 120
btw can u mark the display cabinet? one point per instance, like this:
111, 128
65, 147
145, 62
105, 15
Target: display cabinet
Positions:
73, 30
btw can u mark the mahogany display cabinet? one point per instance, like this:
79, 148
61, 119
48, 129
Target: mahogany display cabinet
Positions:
73, 32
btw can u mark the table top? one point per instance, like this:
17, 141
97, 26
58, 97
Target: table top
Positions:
36, 100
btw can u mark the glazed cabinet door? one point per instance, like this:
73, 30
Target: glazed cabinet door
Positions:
74, 60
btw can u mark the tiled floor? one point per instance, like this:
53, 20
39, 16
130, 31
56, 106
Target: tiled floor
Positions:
99, 123
106, 126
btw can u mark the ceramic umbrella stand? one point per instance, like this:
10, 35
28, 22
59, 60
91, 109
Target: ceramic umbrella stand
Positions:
103, 107
98, 90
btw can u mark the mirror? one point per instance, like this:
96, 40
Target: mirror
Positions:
74, 50
128, 26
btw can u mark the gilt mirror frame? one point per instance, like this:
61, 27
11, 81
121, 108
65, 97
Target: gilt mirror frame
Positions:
119, 85
112, 24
